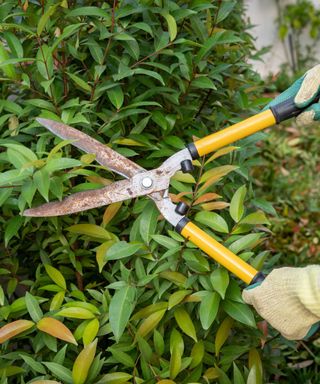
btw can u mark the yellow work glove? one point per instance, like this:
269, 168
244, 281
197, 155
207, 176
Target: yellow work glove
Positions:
289, 299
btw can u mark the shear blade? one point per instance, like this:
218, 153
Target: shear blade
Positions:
81, 201
104, 155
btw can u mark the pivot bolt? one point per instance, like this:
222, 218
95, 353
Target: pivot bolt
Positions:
147, 182
186, 166
182, 208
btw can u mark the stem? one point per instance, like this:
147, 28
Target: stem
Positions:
203, 103
215, 18
48, 76
96, 81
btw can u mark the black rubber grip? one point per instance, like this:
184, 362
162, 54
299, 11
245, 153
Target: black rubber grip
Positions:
287, 109
182, 223
259, 277
193, 151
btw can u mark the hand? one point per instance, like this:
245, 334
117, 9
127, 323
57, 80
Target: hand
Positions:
289, 299
304, 91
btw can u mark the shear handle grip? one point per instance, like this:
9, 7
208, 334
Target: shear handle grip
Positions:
287, 109
218, 252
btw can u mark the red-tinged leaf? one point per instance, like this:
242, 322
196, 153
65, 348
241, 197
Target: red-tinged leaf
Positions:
206, 198
56, 329
214, 179
14, 328
263, 326
83, 363
217, 205
217, 172
221, 152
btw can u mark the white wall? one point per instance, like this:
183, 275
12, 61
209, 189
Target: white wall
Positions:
262, 14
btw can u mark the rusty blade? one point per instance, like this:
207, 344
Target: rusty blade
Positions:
81, 201
104, 155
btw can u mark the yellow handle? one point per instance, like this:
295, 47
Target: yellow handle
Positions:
235, 132
219, 253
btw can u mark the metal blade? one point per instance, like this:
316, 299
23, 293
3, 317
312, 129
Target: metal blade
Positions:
104, 155
81, 201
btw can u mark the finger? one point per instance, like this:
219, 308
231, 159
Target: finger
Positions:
248, 296
310, 87
310, 115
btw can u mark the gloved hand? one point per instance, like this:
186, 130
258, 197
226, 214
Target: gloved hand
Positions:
289, 299
304, 90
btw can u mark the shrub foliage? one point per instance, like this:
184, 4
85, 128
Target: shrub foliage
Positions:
113, 295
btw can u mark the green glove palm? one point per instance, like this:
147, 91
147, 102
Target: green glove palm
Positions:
304, 91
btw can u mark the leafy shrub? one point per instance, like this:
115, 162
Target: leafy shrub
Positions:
113, 295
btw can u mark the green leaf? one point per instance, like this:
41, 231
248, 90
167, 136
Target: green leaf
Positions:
146, 72
203, 83
223, 333
61, 163
225, 8
197, 354
172, 25
245, 242
266, 206
208, 309
44, 18
80, 82
236, 205
165, 241
42, 182
185, 323
67, 31
150, 323
237, 376
176, 297
240, 312
60, 372
12, 228
220, 280
12, 176
8, 69
121, 250
56, 276
76, 313
255, 218
35, 365
212, 220
115, 95
148, 222
14, 44
121, 307
115, 378
90, 11
33, 307
91, 230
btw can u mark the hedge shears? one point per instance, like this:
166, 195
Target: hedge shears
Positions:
155, 183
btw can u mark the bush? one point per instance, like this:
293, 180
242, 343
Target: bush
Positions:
145, 78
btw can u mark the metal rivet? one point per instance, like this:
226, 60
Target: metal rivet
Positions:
147, 182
